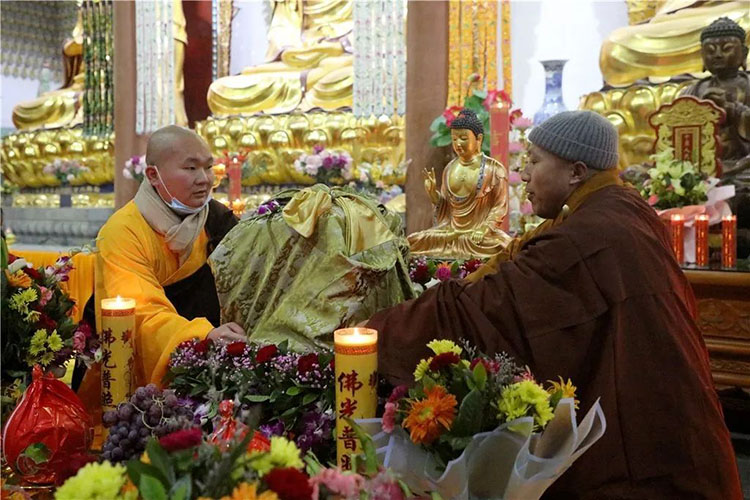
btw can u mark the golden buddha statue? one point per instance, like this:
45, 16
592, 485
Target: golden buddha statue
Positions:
471, 203
668, 44
308, 63
63, 107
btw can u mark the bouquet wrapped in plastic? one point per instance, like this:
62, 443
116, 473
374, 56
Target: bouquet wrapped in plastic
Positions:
481, 427
49, 433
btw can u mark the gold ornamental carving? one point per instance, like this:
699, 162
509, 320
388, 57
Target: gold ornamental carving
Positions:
690, 127
273, 142
724, 318
25, 154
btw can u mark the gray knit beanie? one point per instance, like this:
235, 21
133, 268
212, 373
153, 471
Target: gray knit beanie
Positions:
578, 136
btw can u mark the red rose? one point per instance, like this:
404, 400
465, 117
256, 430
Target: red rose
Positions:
236, 349
442, 360
472, 265
46, 322
289, 484
421, 274
202, 346
182, 439
265, 353
32, 273
490, 365
259, 442
307, 363
11, 258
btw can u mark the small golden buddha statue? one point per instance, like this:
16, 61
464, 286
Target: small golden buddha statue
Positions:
471, 203
308, 63
668, 44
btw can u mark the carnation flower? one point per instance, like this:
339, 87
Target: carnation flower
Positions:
96, 482
45, 295
236, 349
46, 322
79, 341
265, 353
346, 485
398, 392
389, 417
431, 416
32, 273
289, 483
307, 363
202, 346
444, 360
182, 439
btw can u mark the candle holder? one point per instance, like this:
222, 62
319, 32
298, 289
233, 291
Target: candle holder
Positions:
238, 207
677, 232
356, 362
220, 172
701, 240
118, 328
729, 241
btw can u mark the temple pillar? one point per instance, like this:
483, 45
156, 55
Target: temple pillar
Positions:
426, 94
127, 142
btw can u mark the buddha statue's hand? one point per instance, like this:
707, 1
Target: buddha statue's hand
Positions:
717, 95
430, 185
478, 235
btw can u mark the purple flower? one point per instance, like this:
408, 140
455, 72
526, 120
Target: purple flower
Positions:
273, 429
317, 149
328, 162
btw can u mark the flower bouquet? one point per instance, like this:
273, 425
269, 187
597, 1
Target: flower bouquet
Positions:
293, 392
427, 272
325, 167
471, 425
674, 186
135, 168
522, 218
65, 171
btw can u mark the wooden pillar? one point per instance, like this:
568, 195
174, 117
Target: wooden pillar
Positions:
426, 94
127, 143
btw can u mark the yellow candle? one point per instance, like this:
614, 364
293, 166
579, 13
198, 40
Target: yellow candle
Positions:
356, 386
118, 329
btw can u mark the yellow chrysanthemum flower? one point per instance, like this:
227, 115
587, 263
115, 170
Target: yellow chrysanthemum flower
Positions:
567, 388
525, 398
54, 342
441, 346
96, 482
249, 491
283, 453
46, 358
421, 369
32, 317
20, 300
19, 279
38, 341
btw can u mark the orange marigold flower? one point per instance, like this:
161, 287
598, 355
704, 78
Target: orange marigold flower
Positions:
429, 417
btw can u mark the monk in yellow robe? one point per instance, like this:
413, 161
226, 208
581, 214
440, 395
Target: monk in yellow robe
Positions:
155, 248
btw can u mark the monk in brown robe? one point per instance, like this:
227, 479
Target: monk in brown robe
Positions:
594, 294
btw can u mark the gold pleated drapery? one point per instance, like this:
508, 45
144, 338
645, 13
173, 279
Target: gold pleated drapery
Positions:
472, 41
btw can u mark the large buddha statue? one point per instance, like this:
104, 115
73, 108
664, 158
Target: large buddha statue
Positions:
724, 52
471, 203
63, 107
668, 44
308, 63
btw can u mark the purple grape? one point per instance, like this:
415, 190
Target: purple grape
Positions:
114, 438
109, 418
152, 390
117, 453
170, 400
155, 412
133, 434
124, 412
143, 432
106, 455
125, 443
141, 393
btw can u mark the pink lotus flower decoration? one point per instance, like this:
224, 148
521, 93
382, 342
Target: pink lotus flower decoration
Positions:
514, 178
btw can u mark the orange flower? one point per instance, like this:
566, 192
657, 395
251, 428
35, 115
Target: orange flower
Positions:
248, 491
19, 279
428, 417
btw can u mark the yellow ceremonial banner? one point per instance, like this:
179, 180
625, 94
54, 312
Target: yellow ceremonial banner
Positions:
118, 329
356, 364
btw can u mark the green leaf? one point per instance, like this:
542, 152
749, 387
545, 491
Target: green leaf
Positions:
444, 140
151, 489
309, 398
436, 122
283, 347
137, 469
257, 398
555, 398
37, 452
368, 446
293, 391
480, 376
469, 419
182, 489
160, 460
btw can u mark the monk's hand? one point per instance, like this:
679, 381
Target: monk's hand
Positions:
228, 332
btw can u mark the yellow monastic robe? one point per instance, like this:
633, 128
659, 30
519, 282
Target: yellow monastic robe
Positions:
134, 261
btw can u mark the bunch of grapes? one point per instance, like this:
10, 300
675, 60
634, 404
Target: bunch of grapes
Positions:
149, 412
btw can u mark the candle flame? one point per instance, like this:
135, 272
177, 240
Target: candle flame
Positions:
702, 217
677, 217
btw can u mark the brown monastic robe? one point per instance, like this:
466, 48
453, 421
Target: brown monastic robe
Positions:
598, 298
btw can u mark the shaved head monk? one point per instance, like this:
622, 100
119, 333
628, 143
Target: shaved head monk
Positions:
594, 294
154, 249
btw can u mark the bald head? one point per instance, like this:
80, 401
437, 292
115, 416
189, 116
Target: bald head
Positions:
169, 141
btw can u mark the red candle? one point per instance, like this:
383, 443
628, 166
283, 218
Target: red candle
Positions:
729, 241
235, 178
499, 143
677, 230
701, 240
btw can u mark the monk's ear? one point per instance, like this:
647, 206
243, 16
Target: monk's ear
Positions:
579, 172
152, 175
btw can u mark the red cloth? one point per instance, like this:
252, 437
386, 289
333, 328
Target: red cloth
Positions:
600, 299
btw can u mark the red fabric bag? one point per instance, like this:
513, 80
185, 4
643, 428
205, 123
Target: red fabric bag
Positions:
49, 433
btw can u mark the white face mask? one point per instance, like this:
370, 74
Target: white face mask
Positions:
176, 204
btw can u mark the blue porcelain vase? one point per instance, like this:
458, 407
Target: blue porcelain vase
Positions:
553, 99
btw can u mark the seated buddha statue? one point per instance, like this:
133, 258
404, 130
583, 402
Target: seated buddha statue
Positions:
63, 107
666, 45
471, 203
308, 63
724, 52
